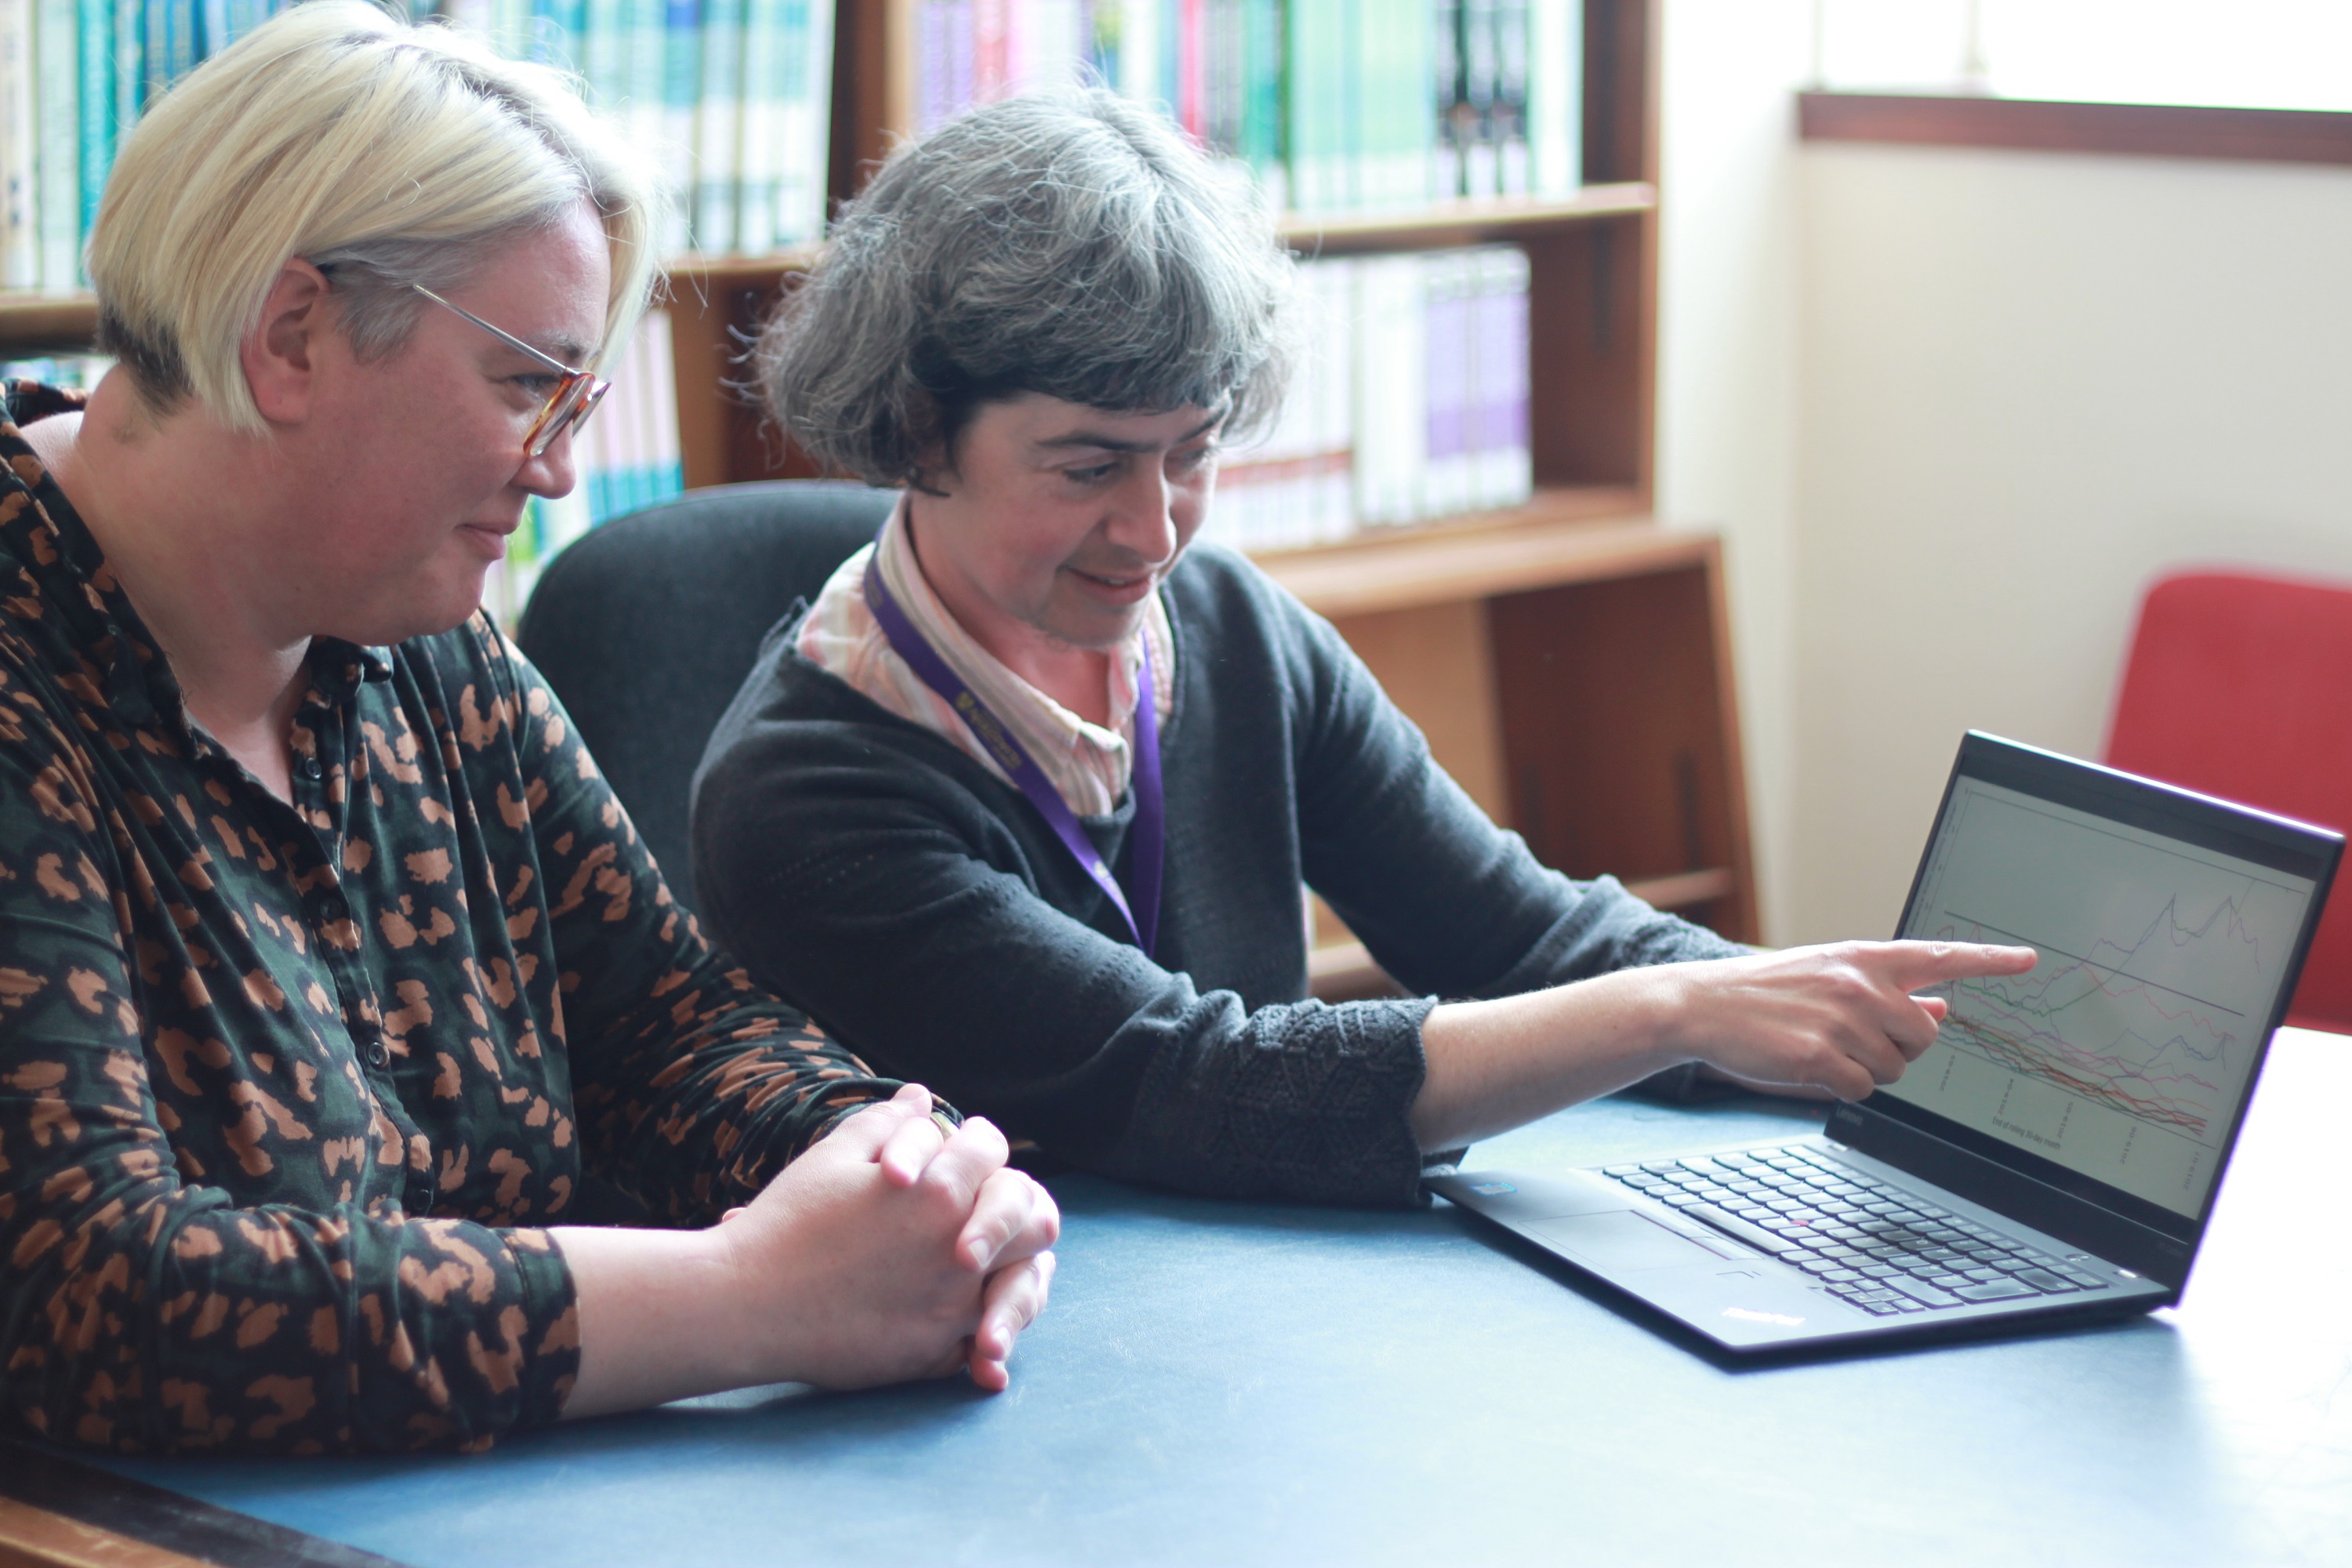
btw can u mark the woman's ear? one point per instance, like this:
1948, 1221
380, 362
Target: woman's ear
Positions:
278, 355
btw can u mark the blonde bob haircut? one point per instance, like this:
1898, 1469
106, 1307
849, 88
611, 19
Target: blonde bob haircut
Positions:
384, 154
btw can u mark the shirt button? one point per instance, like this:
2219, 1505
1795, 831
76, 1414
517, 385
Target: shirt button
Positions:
312, 768
377, 1054
331, 908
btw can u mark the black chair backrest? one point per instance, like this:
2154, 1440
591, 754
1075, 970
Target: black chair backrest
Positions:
646, 626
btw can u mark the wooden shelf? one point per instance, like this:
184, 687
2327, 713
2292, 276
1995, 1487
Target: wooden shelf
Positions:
1686, 888
1462, 223
1561, 536
33, 323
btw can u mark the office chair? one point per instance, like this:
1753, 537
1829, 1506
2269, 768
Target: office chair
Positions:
2241, 687
646, 626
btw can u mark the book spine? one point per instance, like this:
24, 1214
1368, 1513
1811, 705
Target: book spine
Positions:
1056, 44
1478, 112
56, 196
717, 126
1301, 101
932, 46
988, 23
1452, 389
509, 28
1515, 482
183, 26
1330, 492
1511, 44
1262, 108
20, 250
1446, 100
666, 474
681, 84
801, 179
94, 23
1556, 97
964, 56
1020, 43
1139, 49
130, 64
759, 130
1391, 421
603, 57
1500, 334
1192, 68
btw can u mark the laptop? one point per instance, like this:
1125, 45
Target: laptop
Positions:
2053, 1156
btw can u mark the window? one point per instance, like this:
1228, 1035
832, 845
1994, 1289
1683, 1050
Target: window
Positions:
2245, 54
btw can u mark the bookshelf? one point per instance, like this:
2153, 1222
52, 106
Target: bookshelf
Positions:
1569, 657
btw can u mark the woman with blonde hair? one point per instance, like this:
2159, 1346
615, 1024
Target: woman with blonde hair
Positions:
332, 973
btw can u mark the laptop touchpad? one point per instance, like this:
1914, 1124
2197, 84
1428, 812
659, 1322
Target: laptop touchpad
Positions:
1622, 1240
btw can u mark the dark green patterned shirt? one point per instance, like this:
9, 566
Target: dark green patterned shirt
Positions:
285, 1089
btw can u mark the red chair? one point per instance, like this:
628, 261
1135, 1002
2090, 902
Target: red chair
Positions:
2241, 687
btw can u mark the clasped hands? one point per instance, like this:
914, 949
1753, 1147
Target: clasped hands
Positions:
894, 1250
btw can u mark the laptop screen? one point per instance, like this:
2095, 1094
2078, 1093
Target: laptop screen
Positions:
2167, 938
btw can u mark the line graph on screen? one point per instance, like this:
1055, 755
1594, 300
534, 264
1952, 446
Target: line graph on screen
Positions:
2134, 1022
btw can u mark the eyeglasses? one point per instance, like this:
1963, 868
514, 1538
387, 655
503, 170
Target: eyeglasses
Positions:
574, 398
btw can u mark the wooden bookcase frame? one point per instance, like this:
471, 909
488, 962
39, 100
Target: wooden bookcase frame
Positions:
1570, 659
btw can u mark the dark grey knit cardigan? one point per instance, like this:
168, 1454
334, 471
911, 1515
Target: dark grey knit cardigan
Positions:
922, 912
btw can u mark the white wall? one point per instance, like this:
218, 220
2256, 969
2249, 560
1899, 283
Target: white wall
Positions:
2029, 383
1952, 409
1727, 358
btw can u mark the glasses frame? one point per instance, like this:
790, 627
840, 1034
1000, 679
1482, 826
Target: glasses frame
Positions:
574, 398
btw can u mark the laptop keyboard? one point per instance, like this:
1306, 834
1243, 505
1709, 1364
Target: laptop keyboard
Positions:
1881, 1249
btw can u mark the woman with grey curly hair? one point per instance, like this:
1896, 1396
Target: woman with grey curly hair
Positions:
1024, 801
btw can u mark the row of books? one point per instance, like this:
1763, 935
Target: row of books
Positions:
1335, 104
79, 372
734, 96
1411, 402
627, 456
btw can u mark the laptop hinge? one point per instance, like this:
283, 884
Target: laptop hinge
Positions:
2087, 1224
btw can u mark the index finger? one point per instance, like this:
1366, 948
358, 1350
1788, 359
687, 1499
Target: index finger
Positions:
1915, 965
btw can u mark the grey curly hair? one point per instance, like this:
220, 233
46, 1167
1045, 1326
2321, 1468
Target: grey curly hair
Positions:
1073, 245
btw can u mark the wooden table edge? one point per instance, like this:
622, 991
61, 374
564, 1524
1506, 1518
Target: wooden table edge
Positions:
62, 1512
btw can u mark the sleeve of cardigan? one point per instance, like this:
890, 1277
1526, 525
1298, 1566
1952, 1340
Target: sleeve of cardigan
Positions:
875, 890
1449, 903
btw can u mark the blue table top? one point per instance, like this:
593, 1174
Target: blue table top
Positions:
1244, 1383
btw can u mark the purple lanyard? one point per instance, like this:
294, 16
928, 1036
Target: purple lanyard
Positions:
1150, 828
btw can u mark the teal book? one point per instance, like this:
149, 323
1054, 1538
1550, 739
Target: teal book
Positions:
56, 155
681, 83
1261, 90
1305, 85
603, 59
717, 126
805, 144
94, 21
760, 90
130, 64
185, 26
